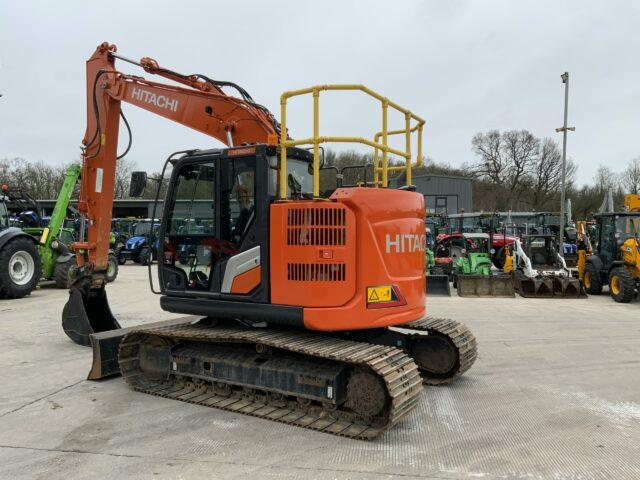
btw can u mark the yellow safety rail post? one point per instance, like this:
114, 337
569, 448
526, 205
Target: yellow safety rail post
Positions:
407, 136
416, 128
316, 140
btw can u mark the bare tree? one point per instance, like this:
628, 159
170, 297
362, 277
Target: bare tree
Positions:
505, 160
546, 173
124, 168
631, 176
606, 179
36, 178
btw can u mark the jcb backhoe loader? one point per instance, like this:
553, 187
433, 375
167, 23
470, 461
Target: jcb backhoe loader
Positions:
615, 256
313, 307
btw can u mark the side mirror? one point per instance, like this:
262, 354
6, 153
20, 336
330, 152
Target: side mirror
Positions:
138, 184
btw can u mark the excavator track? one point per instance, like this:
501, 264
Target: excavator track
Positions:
459, 335
378, 375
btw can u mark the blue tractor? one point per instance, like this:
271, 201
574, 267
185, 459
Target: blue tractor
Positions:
142, 246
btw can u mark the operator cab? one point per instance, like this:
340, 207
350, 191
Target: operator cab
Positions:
218, 207
477, 243
612, 230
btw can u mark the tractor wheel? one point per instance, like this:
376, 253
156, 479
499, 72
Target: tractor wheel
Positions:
20, 268
622, 285
112, 267
145, 256
592, 282
119, 256
498, 258
62, 272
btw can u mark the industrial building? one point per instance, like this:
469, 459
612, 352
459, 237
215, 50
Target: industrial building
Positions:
442, 193
128, 207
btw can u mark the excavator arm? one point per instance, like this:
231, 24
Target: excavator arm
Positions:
200, 103
202, 106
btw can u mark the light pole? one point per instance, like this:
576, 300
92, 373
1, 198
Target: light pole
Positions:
563, 129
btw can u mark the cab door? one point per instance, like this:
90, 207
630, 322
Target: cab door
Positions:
214, 233
607, 244
243, 228
190, 229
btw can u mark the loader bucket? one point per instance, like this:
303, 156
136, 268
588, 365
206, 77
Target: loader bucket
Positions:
549, 287
568, 288
87, 311
544, 288
438, 285
533, 287
526, 287
485, 286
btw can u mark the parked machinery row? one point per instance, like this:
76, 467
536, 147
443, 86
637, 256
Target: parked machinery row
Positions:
35, 247
489, 254
597, 254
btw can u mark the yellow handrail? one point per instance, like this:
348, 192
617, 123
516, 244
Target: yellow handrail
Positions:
316, 140
376, 168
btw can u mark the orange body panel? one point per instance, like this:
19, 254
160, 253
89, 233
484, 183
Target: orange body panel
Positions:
247, 281
325, 263
312, 254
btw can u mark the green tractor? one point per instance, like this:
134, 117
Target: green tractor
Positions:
472, 273
54, 238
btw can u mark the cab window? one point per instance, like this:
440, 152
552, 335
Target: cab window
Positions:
190, 243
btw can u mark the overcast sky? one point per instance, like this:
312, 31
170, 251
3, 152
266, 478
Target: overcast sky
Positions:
465, 67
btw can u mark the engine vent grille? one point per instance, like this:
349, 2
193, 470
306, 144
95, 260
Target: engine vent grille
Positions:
316, 226
316, 272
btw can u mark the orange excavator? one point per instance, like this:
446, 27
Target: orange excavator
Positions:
311, 306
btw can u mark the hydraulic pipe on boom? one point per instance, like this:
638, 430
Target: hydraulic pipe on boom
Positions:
201, 105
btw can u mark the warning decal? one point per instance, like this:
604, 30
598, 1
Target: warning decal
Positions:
379, 294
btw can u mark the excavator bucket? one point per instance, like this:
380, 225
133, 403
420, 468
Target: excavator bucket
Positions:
87, 311
485, 286
549, 287
438, 285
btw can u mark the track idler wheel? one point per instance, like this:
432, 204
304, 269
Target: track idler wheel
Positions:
436, 354
87, 311
366, 395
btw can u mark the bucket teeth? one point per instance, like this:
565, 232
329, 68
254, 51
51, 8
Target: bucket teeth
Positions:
549, 287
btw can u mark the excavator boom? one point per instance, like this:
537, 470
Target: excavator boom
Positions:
230, 120
201, 105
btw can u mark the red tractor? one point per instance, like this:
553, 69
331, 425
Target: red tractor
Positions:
449, 246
